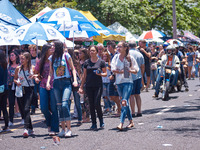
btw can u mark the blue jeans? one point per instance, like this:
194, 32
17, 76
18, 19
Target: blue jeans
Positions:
78, 105
107, 103
46, 98
62, 90
173, 80
124, 90
153, 77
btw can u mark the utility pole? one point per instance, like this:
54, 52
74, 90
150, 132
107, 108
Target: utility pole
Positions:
174, 20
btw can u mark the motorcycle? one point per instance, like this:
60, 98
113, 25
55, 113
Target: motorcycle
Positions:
166, 86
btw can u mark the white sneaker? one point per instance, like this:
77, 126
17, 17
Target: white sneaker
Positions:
68, 133
22, 122
62, 133
10, 124
25, 134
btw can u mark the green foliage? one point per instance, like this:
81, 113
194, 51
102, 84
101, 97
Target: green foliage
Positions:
135, 15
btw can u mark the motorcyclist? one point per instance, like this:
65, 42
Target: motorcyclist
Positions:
181, 58
169, 60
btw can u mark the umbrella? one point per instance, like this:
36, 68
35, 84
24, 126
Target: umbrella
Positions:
5, 30
70, 20
170, 41
38, 31
152, 34
10, 15
105, 33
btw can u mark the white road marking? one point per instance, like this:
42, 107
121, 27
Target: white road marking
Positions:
164, 110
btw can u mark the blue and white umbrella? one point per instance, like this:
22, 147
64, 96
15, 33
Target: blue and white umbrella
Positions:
38, 31
70, 21
10, 15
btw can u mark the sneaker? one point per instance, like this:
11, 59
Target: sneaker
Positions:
93, 127
102, 125
139, 115
25, 134
186, 89
5, 129
33, 112
10, 124
68, 133
133, 115
155, 96
30, 132
22, 122
17, 115
62, 133
51, 133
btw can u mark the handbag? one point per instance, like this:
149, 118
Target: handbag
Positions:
153, 66
19, 91
2, 88
72, 78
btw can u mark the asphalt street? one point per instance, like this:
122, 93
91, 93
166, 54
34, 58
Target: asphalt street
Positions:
173, 124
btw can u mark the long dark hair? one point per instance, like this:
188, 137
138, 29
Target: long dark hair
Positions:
127, 56
17, 57
44, 52
85, 51
27, 55
3, 62
57, 55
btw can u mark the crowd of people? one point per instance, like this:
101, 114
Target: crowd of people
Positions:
116, 74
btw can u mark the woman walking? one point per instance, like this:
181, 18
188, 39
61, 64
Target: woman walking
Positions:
13, 64
3, 89
123, 65
83, 55
94, 70
24, 77
60, 64
191, 62
47, 97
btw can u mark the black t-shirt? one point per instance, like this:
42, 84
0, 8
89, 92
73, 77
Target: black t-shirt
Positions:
92, 79
154, 55
146, 59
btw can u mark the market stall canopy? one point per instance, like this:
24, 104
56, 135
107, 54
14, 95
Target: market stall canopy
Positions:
38, 15
191, 36
10, 15
117, 27
105, 33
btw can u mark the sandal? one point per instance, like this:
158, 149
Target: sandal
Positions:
131, 125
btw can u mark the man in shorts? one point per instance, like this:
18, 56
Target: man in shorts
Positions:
137, 79
146, 52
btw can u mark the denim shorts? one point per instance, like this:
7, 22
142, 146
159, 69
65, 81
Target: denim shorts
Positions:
190, 63
136, 86
112, 89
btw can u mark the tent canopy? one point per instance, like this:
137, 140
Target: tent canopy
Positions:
38, 15
123, 31
105, 33
10, 15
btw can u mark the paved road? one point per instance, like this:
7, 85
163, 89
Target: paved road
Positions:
173, 124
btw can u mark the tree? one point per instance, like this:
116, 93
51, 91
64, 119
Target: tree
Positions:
140, 15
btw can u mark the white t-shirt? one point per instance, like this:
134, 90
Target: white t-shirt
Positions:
107, 79
61, 70
23, 80
117, 64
